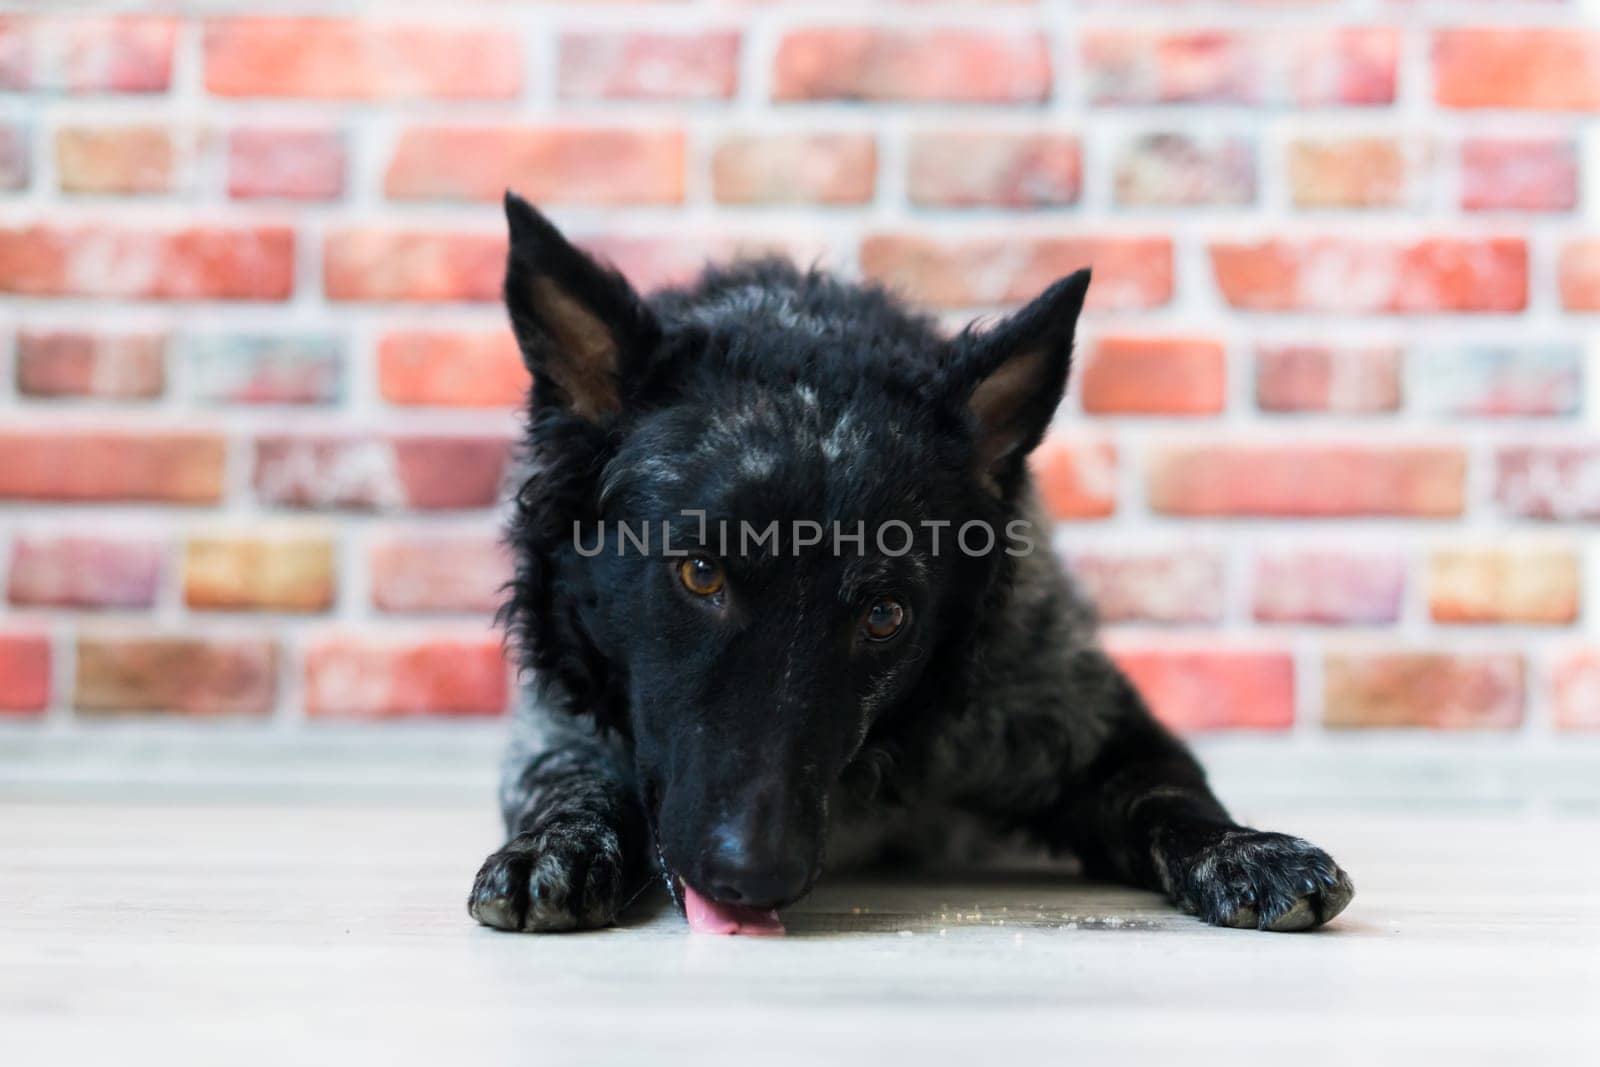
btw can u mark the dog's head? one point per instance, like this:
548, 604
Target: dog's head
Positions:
765, 510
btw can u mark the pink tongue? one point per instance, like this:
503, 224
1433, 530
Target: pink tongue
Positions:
709, 917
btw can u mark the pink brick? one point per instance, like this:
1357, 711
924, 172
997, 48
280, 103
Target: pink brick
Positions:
87, 54
369, 678
1153, 586
1307, 479
1518, 175
116, 160
1349, 275
419, 573
16, 160
1423, 689
1326, 378
1212, 688
24, 673
102, 466
1076, 479
201, 263
1556, 481
430, 266
602, 65
415, 472
1328, 587
577, 165
982, 169
85, 572
1580, 275
288, 164
71, 363
1574, 690
1175, 170
921, 65
795, 169
1547, 69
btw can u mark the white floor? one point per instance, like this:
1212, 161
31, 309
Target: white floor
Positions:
297, 933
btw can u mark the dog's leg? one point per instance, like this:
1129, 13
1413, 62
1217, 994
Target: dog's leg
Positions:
1140, 810
577, 841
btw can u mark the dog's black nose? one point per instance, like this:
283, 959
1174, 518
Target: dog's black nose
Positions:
735, 873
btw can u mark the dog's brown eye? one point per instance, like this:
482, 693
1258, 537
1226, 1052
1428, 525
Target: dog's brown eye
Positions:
884, 619
700, 576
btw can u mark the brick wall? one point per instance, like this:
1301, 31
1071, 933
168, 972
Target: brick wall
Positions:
1331, 459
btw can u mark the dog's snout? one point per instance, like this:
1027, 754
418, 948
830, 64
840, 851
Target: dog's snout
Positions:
738, 871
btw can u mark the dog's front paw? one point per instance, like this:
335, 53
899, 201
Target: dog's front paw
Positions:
1247, 878
551, 879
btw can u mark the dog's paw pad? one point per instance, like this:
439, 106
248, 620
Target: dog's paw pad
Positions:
1265, 881
548, 882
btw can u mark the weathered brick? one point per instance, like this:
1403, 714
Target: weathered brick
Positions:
419, 472
259, 573
451, 369
574, 165
1348, 275
265, 368
1503, 586
1130, 273
983, 169
87, 54
357, 60
1076, 479
1553, 69
1154, 376
120, 160
1343, 379
1426, 689
85, 572
1212, 688
1482, 381
416, 573
202, 263
15, 158
1574, 690
288, 164
814, 168
177, 674
629, 65
1580, 275
24, 673
1560, 482
434, 266
1348, 172
1308, 479
1177, 170
1153, 585
162, 467
73, 363
1499, 174
365, 678
1328, 587
922, 65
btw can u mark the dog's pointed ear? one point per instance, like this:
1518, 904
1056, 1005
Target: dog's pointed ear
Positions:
1013, 374
582, 329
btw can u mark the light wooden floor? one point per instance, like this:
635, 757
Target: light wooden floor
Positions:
306, 934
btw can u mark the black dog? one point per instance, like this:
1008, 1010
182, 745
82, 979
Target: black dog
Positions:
776, 602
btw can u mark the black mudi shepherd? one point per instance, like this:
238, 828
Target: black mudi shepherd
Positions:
737, 720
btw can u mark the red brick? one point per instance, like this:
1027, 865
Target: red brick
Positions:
1518, 175
434, 368
1574, 690
1212, 688
433, 266
1580, 275
24, 673
817, 168
274, 573
569, 165
1348, 380
1154, 376
359, 678
85, 572
181, 675
1500, 586
358, 60
72, 363
1347, 275
923, 65
202, 263
1310, 68
600, 65
979, 169
1348, 172
1555, 69
1328, 587
15, 158
121, 160
1559, 482
177, 468
289, 164
1175, 170
1422, 689
1130, 273
1076, 479
1153, 586
418, 573
86, 54
1295, 478
417, 472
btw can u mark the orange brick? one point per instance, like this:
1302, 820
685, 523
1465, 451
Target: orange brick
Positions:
1555, 69
1345, 275
1154, 376
1499, 586
202, 263
450, 369
285, 573
795, 169
180, 675
950, 65
1076, 479
1206, 688
1423, 689
1304, 479
177, 468
575, 165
